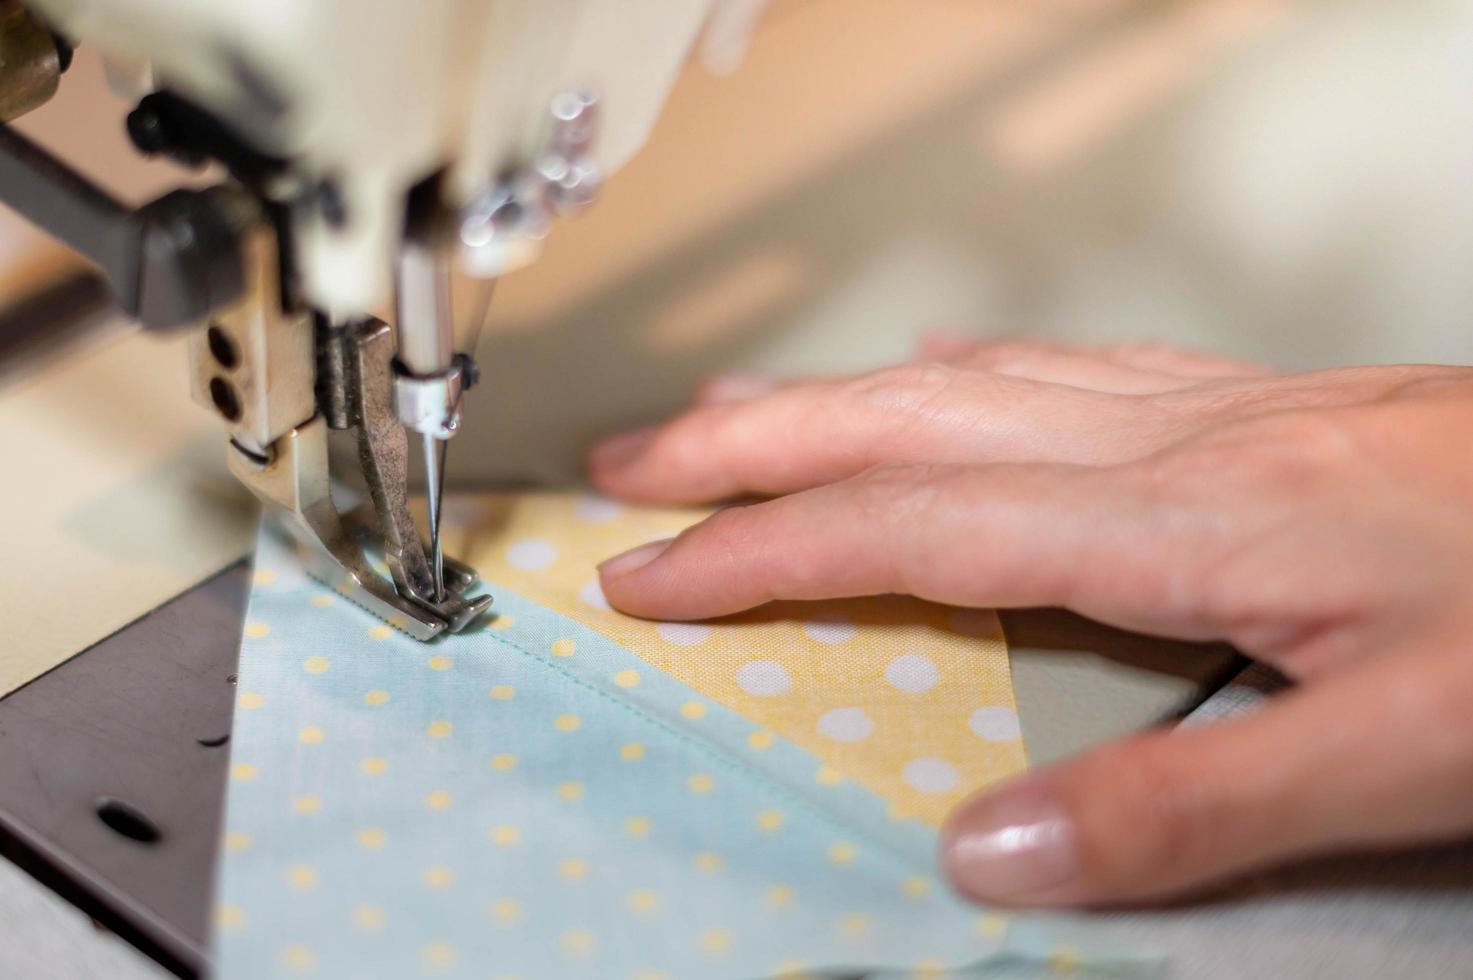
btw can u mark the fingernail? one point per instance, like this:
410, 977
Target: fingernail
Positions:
635, 558
620, 449
1012, 844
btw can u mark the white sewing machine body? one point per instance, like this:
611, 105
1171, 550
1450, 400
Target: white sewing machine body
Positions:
376, 96
375, 149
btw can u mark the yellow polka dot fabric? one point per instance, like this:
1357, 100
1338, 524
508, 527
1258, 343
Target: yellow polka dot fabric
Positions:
568, 793
911, 699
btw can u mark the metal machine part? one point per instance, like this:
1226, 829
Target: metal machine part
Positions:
168, 263
255, 365
331, 543
345, 182
276, 373
112, 772
383, 453
367, 98
427, 385
430, 405
503, 227
31, 61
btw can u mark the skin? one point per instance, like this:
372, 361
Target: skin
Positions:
1319, 522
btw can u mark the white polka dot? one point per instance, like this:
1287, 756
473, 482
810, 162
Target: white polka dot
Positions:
597, 510
592, 595
930, 775
912, 673
684, 634
830, 629
531, 554
764, 678
845, 725
974, 622
995, 724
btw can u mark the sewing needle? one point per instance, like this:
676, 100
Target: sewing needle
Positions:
434, 453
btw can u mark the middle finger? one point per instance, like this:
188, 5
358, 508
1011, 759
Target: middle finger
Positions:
812, 434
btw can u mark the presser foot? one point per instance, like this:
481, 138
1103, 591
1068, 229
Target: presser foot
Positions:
457, 609
331, 544
419, 616
379, 598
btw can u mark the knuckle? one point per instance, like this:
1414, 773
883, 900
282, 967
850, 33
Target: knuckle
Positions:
906, 388
1233, 492
1178, 816
1166, 820
882, 491
747, 542
894, 491
745, 521
678, 443
1184, 476
901, 501
1319, 441
692, 451
1264, 454
729, 532
1284, 450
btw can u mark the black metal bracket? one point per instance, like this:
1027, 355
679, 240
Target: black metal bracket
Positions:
169, 263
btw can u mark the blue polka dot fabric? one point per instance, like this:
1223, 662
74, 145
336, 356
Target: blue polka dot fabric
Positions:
485, 807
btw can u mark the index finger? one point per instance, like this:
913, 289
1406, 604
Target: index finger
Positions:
1093, 539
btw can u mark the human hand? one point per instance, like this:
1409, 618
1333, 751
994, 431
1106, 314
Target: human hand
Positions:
1320, 522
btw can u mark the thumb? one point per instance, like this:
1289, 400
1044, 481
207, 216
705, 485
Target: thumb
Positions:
1378, 755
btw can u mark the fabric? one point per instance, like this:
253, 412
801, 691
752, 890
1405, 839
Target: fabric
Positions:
909, 698
536, 800
1245, 693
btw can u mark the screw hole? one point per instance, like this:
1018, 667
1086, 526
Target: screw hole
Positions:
223, 395
127, 821
214, 743
222, 347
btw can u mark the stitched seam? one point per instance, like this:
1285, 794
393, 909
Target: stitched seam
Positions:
715, 753
704, 747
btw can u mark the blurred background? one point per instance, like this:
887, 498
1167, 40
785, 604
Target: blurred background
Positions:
1284, 180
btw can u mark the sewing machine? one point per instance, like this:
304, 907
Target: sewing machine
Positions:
112, 765
113, 777
375, 154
